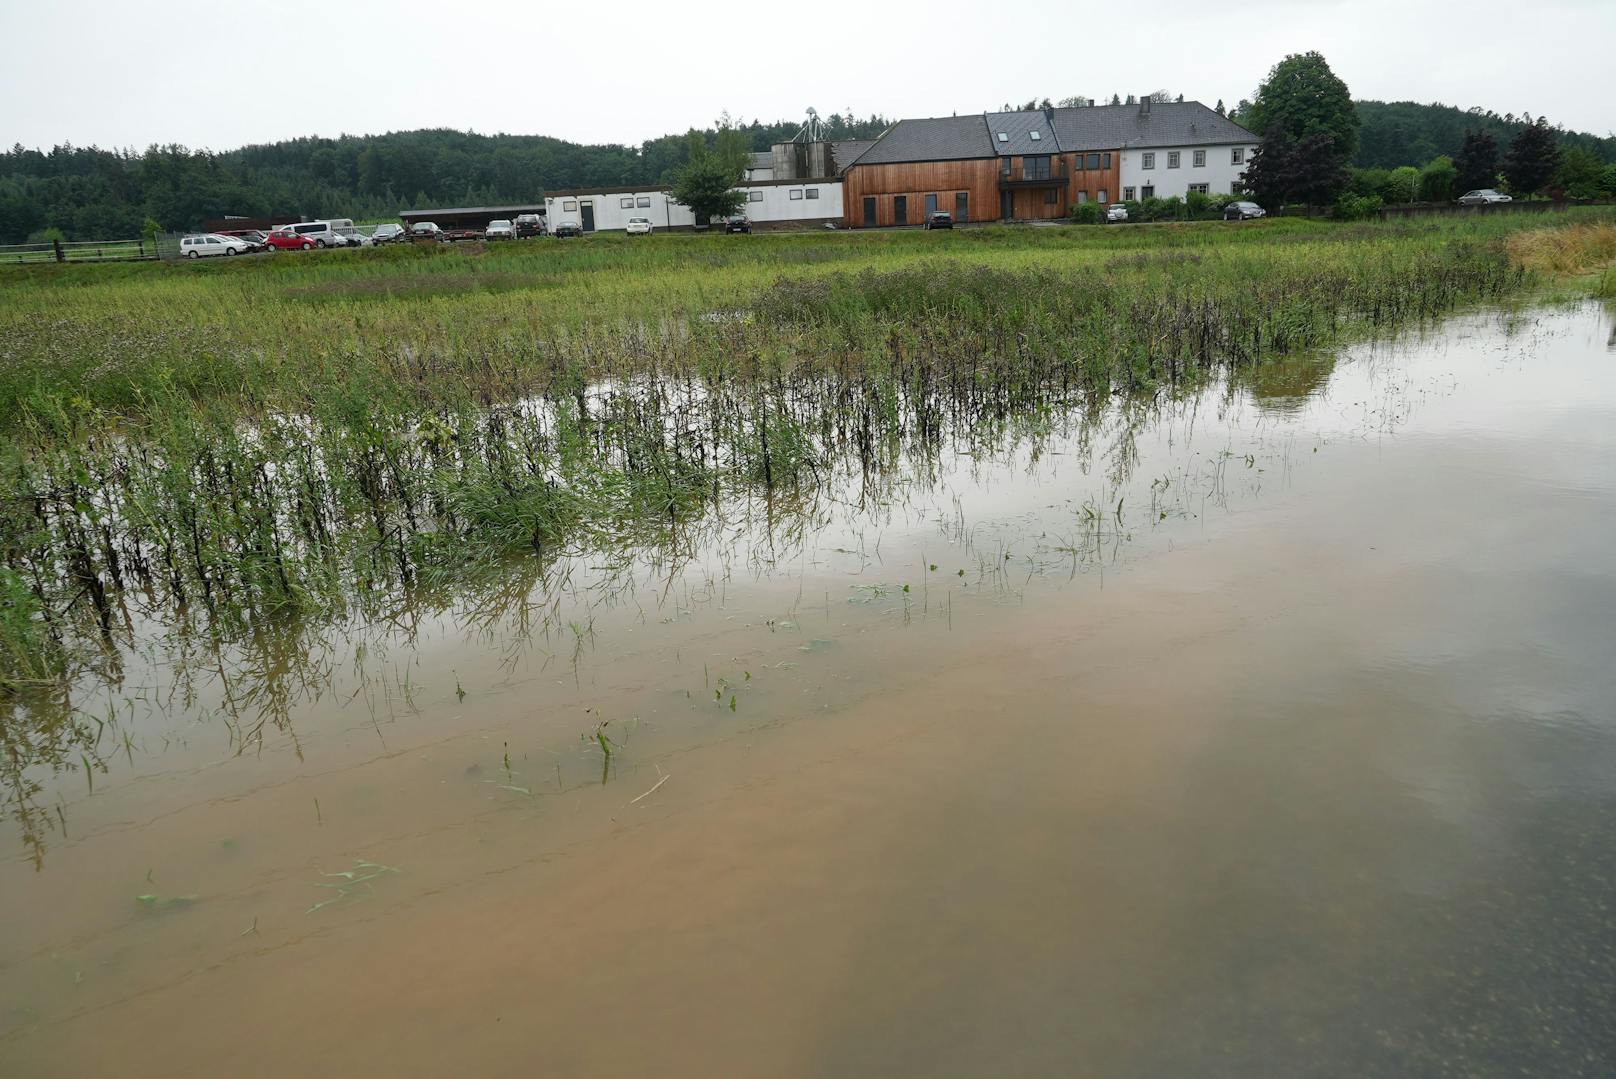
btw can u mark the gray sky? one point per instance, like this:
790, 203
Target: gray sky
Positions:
221, 73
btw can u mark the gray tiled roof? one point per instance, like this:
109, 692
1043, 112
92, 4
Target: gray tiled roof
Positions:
1019, 128
1169, 123
941, 138
847, 151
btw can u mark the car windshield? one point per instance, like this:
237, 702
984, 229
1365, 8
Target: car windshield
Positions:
500, 225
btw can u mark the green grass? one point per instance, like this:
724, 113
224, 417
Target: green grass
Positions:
245, 443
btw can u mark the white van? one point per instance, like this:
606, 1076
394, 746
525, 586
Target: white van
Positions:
325, 233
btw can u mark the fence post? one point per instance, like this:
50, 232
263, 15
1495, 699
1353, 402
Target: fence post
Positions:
57, 246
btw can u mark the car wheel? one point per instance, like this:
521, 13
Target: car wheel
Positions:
192, 254
307, 246
229, 251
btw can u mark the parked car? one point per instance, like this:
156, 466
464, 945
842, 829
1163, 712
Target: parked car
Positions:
738, 223
530, 225
388, 234
941, 219
1483, 197
500, 230
195, 247
455, 234
425, 230
322, 233
284, 239
569, 228
639, 226
350, 237
1116, 214
255, 237
1240, 211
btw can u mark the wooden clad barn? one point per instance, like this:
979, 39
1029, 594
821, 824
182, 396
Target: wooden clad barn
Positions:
1031, 165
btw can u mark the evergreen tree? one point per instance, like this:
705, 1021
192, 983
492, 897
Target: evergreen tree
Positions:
1533, 159
1477, 161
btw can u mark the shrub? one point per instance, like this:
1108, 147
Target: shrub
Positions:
1438, 179
1357, 207
1086, 213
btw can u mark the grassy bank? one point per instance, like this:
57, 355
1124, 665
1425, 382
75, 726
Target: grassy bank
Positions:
246, 441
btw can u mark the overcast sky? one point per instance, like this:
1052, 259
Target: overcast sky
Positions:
221, 73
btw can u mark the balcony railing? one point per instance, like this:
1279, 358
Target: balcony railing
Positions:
1036, 174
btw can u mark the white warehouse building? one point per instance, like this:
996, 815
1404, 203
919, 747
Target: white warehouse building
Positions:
784, 202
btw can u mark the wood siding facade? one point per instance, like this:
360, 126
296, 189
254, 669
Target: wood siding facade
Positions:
979, 180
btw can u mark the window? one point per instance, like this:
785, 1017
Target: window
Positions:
754, 196
1199, 160
812, 192
626, 203
1003, 137
1127, 194
1034, 136
643, 201
570, 205
1147, 161
1172, 159
1103, 197
1237, 156
1052, 196
962, 206
1199, 189
796, 194
1094, 161
1148, 191
1035, 168
1004, 166
1082, 197
1107, 158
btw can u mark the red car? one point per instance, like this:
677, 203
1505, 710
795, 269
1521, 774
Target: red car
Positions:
287, 240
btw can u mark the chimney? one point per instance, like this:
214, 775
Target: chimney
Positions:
1144, 104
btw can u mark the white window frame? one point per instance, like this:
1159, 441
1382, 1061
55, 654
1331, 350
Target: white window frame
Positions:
1147, 161
1198, 159
1237, 155
1200, 189
626, 202
1127, 194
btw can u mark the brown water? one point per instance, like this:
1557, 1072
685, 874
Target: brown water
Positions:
1272, 731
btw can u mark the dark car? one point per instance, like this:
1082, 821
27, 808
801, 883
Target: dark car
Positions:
942, 219
257, 237
529, 225
389, 234
738, 223
425, 230
569, 228
1241, 211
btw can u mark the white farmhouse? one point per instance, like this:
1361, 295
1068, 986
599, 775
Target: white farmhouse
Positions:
1178, 147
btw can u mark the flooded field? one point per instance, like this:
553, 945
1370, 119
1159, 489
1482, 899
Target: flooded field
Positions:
1265, 729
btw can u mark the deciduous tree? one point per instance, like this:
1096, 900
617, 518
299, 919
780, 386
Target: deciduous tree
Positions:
1533, 159
1477, 161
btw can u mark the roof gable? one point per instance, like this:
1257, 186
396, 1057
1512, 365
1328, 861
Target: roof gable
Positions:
940, 138
1168, 123
1025, 132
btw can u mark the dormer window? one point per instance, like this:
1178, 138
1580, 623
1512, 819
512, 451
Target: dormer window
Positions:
1004, 137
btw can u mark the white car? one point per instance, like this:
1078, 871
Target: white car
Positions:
196, 247
1482, 197
639, 226
499, 230
350, 237
1117, 213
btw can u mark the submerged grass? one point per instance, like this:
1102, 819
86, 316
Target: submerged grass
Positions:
230, 446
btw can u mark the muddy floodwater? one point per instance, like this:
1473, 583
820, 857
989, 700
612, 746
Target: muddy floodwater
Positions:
1268, 730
